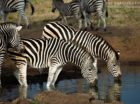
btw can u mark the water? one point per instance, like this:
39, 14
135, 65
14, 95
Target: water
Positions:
128, 92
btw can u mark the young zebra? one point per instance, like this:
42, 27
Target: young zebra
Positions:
7, 6
96, 45
68, 9
95, 6
52, 53
9, 38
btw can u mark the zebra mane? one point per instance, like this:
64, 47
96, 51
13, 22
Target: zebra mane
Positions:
116, 52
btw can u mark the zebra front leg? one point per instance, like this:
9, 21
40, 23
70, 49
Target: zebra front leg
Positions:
51, 76
59, 69
21, 74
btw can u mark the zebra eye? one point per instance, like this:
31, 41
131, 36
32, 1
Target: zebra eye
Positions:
89, 69
114, 65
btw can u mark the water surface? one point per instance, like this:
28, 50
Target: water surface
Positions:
128, 92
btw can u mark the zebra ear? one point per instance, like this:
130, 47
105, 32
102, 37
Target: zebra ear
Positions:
19, 28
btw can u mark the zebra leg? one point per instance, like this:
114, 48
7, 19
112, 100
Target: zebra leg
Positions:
64, 20
2, 14
24, 17
21, 74
59, 69
104, 22
78, 17
51, 75
99, 23
1, 61
85, 19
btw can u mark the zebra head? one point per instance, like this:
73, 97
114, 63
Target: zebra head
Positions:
55, 4
88, 71
11, 35
113, 65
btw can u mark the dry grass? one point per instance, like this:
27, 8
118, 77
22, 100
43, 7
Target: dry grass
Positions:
117, 16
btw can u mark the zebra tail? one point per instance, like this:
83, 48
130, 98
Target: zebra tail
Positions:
32, 7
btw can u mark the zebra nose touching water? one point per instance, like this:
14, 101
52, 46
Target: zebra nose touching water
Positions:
94, 44
9, 38
7, 6
52, 53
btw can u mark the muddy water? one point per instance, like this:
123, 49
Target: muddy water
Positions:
128, 92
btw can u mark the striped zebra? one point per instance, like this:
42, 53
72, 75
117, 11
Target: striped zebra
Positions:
9, 38
52, 53
96, 45
95, 6
7, 6
69, 9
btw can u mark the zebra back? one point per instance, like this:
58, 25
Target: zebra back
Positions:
58, 30
38, 52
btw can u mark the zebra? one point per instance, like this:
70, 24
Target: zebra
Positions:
69, 9
7, 6
9, 38
52, 53
95, 6
95, 45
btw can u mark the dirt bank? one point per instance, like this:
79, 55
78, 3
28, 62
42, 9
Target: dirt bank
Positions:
56, 97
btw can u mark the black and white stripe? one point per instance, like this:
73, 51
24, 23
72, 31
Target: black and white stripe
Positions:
95, 6
96, 45
9, 38
52, 53
7, 6
68, 9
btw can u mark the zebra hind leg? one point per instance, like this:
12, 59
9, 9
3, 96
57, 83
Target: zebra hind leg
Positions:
24, 17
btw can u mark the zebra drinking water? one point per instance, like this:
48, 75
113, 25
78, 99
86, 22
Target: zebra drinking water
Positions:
95, 45
9, 38
52, 53
69, 9
7, 6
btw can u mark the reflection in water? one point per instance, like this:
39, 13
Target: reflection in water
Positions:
114, 93
128, 92
23, 91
